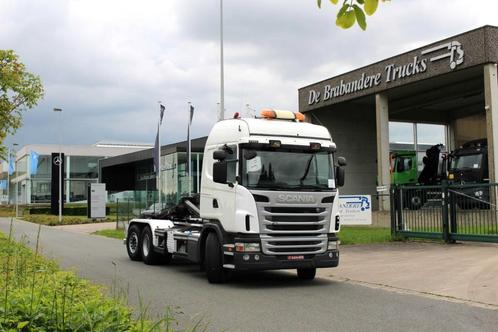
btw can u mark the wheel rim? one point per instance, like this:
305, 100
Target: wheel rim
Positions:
133, 242
145, 245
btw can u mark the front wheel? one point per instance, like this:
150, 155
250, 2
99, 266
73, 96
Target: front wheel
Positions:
215, 272
306, 274
133, 243
414, 199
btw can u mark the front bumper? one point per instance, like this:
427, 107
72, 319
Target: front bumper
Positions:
266, 262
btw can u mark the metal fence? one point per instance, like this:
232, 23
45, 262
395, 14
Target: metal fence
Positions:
448, 211
134, 204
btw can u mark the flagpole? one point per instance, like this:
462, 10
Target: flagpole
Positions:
8, 177
189, 150
159, 159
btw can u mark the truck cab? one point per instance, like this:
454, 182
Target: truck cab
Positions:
268, 200
403, 167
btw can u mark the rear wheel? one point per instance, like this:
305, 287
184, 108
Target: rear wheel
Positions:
213, 261
133, 243
149, 256
306, 274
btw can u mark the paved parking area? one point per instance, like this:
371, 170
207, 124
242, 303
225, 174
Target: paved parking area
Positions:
466, 271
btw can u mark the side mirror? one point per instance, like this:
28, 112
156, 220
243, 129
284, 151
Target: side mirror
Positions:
219, 155
339, 176
341, 161
220, 171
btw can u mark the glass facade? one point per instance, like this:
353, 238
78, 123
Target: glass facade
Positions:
174, 179
34, 185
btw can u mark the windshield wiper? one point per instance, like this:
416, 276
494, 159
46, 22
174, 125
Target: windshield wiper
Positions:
308, 166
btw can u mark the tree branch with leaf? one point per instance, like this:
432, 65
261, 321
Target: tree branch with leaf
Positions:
19, 91
353, 11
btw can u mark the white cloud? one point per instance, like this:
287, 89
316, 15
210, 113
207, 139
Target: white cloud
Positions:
107, 63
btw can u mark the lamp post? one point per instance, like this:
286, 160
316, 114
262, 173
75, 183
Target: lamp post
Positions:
17, 181
60, 163
222, 73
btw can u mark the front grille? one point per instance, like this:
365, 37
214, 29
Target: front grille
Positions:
290, 229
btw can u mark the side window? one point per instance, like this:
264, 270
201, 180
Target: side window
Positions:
408, 164
232, 163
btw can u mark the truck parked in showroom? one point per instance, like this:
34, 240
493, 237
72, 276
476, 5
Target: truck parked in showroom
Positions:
269, 200
465, 168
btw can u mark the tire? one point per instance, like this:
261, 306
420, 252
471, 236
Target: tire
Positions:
134, 243
213, 261
306, 274
414, 200
149, 256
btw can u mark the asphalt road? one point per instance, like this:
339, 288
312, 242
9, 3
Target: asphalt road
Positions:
269, 301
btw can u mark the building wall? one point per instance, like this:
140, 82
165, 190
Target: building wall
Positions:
354, 132
469, 128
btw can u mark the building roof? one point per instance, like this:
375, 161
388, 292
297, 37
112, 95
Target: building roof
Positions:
197, 145
80, 150
455, 56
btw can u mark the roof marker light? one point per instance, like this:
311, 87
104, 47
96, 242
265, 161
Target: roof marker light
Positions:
299, 116
268, 113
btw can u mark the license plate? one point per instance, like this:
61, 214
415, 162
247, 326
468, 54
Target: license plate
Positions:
295, 257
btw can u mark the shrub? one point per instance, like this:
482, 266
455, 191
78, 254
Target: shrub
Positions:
36, 296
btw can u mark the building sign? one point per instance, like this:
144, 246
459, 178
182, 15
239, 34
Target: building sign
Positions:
57, 162
451, 51
97, 200
355, 209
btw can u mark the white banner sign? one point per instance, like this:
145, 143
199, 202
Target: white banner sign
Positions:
355, 209
98, 200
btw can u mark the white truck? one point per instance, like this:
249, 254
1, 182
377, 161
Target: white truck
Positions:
268, 200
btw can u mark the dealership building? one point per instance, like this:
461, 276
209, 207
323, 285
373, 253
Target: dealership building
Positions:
31, 175
451, 83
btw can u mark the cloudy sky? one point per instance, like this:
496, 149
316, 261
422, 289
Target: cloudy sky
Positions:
107, 63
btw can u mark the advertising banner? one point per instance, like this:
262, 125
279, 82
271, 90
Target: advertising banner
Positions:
355, 209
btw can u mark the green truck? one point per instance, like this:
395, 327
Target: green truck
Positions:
403, 167
466, 165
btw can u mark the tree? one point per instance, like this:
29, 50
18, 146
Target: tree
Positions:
19, 91
353, 11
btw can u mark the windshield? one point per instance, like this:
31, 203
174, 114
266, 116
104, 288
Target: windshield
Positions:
467, 161
287, 169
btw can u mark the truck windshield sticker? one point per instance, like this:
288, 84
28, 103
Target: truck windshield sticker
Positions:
331, 183
254, 165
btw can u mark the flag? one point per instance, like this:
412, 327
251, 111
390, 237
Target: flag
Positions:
11, 165
156, 152
34, 162
161, 113
191, 113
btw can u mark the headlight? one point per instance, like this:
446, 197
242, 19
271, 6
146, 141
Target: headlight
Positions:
333, 245
247, 247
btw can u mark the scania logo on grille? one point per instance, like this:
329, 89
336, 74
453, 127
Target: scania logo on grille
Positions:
294, 198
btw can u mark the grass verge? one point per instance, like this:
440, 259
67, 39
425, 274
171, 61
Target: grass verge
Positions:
364, 235
113, 233
51, 220
348, 234
35, 295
